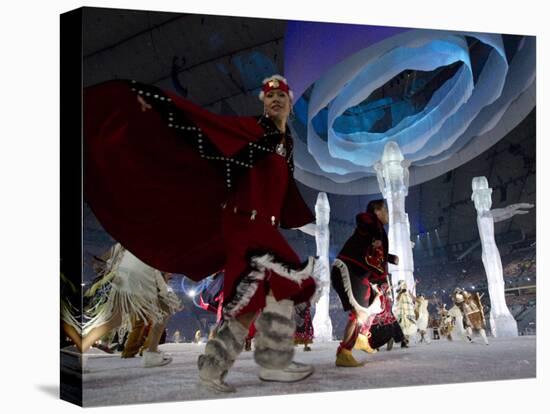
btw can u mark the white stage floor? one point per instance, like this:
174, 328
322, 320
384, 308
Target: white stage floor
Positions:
108, 379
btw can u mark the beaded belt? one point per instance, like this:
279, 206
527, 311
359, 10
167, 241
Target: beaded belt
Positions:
253, 215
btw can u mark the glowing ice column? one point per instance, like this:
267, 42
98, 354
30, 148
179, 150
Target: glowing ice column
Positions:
322, 324
392, 172
502, 322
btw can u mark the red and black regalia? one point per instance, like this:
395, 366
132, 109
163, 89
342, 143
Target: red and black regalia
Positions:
361, 263
191, 192
384, 325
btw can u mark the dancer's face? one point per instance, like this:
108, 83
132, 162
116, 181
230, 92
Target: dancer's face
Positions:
383, 215
277, 104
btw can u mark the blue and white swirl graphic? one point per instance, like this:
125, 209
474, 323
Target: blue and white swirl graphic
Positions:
468, 90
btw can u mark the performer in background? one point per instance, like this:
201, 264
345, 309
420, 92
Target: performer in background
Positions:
384, 328
304, 327
473, 316
422, 317
194, 193
446, 323
129, 289
405, 312
361, 265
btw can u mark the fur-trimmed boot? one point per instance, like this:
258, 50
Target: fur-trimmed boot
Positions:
274, 343
220, 354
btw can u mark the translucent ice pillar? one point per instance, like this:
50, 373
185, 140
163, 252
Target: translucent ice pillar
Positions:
322, 324
321, 321
502, 322
392, 172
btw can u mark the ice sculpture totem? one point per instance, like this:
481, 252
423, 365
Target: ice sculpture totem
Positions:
503, 323
392, 172
322, 324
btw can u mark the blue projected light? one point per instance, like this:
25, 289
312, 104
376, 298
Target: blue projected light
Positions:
344, 117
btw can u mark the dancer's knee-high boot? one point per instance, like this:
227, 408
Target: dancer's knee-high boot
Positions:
274, 343
220, 354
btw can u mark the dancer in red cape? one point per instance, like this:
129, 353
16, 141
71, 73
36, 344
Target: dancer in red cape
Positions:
191, 192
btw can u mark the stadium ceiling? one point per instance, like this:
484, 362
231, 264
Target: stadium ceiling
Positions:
219, 62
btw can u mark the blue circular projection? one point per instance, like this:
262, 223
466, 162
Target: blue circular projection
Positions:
443, 97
